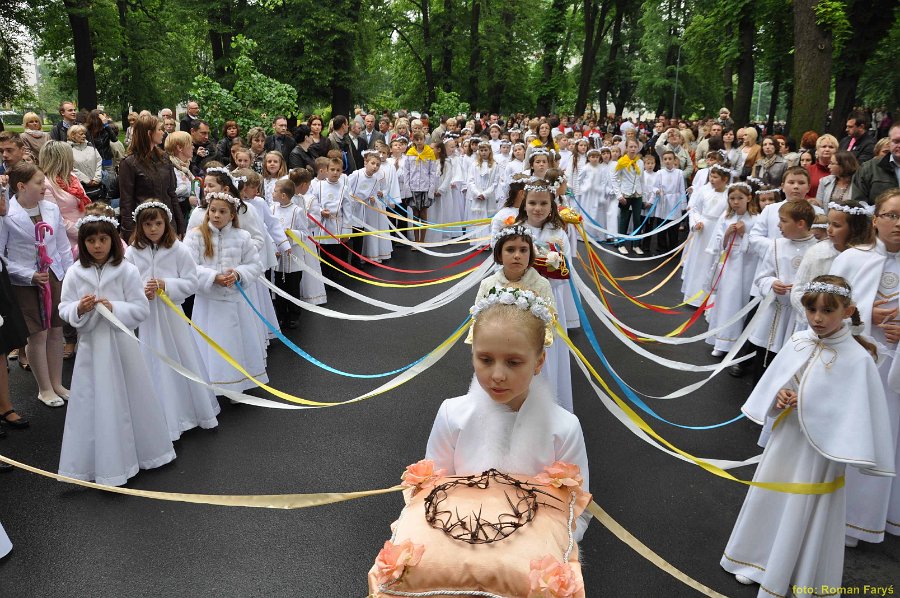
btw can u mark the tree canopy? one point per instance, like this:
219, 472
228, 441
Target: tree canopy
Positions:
548, 56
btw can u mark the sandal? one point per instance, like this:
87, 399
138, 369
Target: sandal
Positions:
17, 423
24, 364
69, 350
52, 401
13, 355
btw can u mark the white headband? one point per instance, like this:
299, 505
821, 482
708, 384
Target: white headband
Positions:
92, 218
224, 197
853, 211
820, 225
523, 299
151, 204
826, 287
745, 186
517, 230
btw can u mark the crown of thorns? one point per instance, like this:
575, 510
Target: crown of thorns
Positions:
523, 500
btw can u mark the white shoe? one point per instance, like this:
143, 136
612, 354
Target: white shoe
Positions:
50, 399
638, 250
743, 579
623, 250
851, 542
717, 353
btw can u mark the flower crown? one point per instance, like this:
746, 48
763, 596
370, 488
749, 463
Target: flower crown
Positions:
853, 211
151, 204
540, 151
744, 186
221, 169
722, 153
402, 139
765, 190
605, 148
826, 287
484, 142
522, 298
560, 181
537, 185
368, 152
593, 150
720, 168
95, 218
755, 181
820, 225
224, 197
515, 230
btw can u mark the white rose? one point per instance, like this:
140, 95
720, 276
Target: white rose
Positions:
522, 302
507, 298
553, 259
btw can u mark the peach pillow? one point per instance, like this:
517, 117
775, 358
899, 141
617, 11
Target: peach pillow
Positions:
500, 567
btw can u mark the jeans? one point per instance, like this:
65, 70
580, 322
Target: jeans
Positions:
631, 209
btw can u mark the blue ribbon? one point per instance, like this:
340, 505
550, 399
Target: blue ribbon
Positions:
624, 238
392, 208
290, 344
626, 390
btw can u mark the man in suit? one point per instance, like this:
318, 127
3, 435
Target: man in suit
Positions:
204, 149
370, 134
339, 139
858, 141
357, 143
281, 140
60, 131
193, 113
879, 174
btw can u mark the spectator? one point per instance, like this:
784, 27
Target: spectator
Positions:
132, 118
204, 149
357, 143
836, 186
826, 145
230, 131
714, 130
256, 140
147, 173
193, 113
770, 166
101, 133
875, 176
300, 156
88, 164
62, 187
180, 149
281, 141
787, 147
33, 135
750, 148
725, 118
13, 150
858, 140
370, 134
337, 140
882, 148
68, 113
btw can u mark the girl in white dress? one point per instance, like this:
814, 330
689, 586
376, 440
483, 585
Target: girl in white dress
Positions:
784, 540
225, 254
733, 291
873, 505
707, 204
541, 216
312, 289
165, 264
508, 420
509, 213
115, 423
484, 177
274, 168
369, 184
575, 171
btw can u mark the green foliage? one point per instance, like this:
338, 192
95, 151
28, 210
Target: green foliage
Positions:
880, 81
255, 99
832, 15
449, 103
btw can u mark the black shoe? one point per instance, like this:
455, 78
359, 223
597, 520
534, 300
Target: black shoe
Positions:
6, 467
737, 370
2, 433
291, 325
19, 423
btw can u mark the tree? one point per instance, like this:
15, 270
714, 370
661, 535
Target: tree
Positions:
76, 11
812, 68
551, 38
595, 28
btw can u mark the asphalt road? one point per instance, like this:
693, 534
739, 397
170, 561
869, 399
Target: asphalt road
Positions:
71, 541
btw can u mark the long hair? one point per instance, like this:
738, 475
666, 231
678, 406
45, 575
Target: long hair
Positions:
206, 234
554, 219
88, 229
142, 146
139, 240
57, 161
838, 302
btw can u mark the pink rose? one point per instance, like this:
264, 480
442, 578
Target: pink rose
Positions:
393, 560
421, 475
561, 474
551, 579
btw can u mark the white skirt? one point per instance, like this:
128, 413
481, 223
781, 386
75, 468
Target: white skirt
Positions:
557, 366
697, 265
5, 544
233, 326
115, 423
186, 404
780, 539
377, 247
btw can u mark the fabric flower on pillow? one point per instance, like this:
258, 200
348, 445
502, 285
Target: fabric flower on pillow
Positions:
393, 560
553, 259
549, 578
560, 475
421, 475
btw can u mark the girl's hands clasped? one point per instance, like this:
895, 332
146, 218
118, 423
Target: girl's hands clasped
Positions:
785, 398
227, 279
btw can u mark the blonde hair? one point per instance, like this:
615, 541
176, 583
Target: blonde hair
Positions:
75, 129
513, 317
31, 116
177, 140
56, 160
827, 137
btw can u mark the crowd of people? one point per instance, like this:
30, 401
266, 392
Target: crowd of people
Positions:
175, 220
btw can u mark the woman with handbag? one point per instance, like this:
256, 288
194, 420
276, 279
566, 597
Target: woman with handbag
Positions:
88, 163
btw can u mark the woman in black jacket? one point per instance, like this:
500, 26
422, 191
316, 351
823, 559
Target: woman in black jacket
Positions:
301, 156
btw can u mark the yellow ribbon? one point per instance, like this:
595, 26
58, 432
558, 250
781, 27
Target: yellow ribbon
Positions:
624, 163
788, 487
426, 154
781, 417
376, 283
287, 396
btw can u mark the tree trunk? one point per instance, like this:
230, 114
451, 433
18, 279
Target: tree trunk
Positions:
84, 55
745, 67
428, 49
343, 73
773, 102
593, 36
611, 66
474, 53
124, 67
498, 85
728, 85
812, 69
870, 25
446, 75
550, 34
